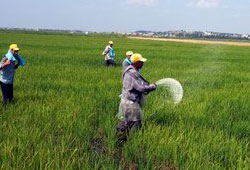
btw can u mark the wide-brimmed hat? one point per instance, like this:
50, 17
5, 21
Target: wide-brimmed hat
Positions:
14, 47
137, 57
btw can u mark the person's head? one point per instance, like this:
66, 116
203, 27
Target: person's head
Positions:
14, 49
111, 43
129, 54
15, 52
137, 60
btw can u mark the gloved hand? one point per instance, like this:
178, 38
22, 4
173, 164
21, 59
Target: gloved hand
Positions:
16, 66
153, 86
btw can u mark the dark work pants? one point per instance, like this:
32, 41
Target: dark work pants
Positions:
124, 128
7, 91
129, 126
109, 62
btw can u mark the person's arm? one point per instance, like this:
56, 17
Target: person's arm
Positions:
5, 64
145, 81
142, 87
106, 51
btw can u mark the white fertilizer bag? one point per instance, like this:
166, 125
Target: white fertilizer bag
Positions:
174, 88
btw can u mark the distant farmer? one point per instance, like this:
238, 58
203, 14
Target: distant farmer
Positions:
134, 88
127, 62
7, 70
109, 54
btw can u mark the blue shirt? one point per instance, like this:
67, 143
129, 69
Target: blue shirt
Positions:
7, 73
112, 53
126, 63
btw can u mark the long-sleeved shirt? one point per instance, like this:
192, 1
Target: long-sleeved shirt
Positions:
134, 85
109, 53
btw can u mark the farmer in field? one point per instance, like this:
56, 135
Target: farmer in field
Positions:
127, 62
134, 88
7, 70
109, 54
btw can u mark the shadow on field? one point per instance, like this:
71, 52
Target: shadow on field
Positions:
97, 143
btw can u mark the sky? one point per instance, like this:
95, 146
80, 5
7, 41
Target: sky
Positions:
229, 16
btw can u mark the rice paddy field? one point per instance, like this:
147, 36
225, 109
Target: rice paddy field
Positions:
66, 101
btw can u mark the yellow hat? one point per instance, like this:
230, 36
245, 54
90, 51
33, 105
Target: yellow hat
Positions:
137, 57
111, 42
129, 53
14, 47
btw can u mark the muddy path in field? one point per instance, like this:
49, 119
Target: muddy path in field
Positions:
242, 44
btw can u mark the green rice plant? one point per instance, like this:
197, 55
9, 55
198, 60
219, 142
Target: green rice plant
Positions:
66, 101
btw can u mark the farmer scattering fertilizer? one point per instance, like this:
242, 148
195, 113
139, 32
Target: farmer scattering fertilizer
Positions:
133, 91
